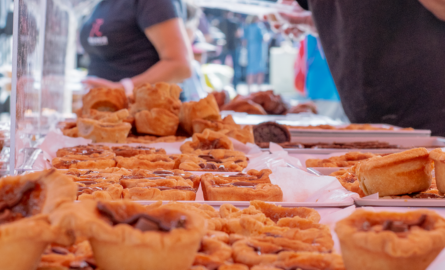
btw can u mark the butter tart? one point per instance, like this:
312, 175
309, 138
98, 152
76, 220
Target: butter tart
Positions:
102, 131
395, 174
82, 150
388, 240
179, 176
154, 139
206, 141
103, 99
148, 162
78, 256
347, 160
246, 106
93, 161
123, 233
210, 163
438, 156
131, 151
222, 190
159, 96
25, 202
148, 193
206, 109
157, 121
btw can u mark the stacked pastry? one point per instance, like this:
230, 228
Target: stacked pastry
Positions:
264, 102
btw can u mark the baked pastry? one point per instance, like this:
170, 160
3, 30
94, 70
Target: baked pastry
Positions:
347, 160
103, 99
206, 109
438, 156
157, 121
226, 190
102, 131
271, 132
227, 126
154, 139
388, 240
395, 174
78, 256
246, 106
99, 190
272, 104
123, 233
213, 252
131, 151
93, 161
307, 107
206, 141
158, 96
211, 162
141, 176
25, 202
252, 176
221, 97
82, 150
349, 180
147, 162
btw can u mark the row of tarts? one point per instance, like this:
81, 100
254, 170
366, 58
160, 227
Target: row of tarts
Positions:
41, 227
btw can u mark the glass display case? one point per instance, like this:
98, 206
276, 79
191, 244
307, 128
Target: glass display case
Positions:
44, 60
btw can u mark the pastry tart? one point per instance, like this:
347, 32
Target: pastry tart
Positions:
215, 190
157, 121
159, 96
147, 162
206, 109
82, 150
154, 139
78, 256
102, 131
174, 174
245, 106
130, 181
207, 140
123, 233
93, 161
25, 202
438, 156
210, 163
161, 193
401, 173
103, 99
131, 151
388, 240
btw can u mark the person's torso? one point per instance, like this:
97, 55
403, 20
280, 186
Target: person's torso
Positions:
117, 45
386, 58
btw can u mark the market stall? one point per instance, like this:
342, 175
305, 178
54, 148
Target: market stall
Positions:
142, 180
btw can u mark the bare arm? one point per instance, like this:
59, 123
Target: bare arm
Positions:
174, 48
437, 7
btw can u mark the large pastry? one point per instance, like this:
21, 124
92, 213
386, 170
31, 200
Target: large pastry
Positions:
346, 160
82, 150
271, 132
124, 234
401, 173
157, 121
207, 140
147, 162
25, 202
101, 160
438, 156
272, 104
159, 96
161, 193
388, 240
103, 99
206, 109
131, 151
102, 131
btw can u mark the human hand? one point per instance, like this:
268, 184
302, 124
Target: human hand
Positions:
92, 82
437, 7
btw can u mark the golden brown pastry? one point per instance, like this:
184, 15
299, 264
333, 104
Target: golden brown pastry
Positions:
388, 240
93, 161
82, 150
157, 121
147, 162
347, 160
159, 96
102, 131
103, 99
25, 202
206, 109
78, 256
349, 180
154, 139
123, 233
438, 156
131, 151
227, 126
395, 174
206, 141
